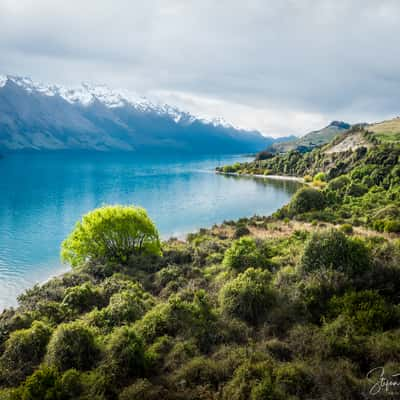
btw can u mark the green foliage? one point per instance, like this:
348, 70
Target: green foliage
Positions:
72, 345
331, 249
320, 177
82, 298
41, 385
392, 226
23, 351
339, 183
306, 199
245, 253
303, 313
346, 228
248, 296
366, 310
142, 389
294, 379
252, 381
125, 355
113, 233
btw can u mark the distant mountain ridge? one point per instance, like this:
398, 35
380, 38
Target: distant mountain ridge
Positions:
34, 116
312, 139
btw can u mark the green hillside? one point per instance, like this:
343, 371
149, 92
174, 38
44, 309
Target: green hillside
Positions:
312, 139
298, 305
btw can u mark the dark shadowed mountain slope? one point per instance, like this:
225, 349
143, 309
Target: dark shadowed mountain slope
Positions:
40, 117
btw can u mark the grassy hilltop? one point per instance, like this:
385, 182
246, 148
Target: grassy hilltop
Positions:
301, 304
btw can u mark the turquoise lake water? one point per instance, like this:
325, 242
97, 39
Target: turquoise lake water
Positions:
43, 195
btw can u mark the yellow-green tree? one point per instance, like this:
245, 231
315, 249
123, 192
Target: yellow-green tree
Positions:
111, 233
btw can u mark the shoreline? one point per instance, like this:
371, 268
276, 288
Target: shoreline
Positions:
276, 177
181, 236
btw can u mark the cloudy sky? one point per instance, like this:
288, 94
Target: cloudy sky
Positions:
282, 67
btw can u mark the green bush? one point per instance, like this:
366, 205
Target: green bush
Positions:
41, 385
23, 351
245, 253
241, 230
200, 371
82, 298
392, 226
72, 345
142, 389
125, 355
320, 177
367, 310
248, 296
339, 183
306, 199
111, 233
251, 380
294, 379
179, 316
316, 289
356, 189
347, 229
332, 249
70, 385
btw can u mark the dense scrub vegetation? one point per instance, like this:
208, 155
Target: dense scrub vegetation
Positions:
360, 186
282, 307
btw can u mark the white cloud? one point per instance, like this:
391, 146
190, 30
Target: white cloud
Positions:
278, 66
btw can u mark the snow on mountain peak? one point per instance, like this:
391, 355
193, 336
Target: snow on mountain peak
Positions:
3, 80
87, 93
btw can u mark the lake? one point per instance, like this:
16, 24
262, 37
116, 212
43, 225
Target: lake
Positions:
42, 195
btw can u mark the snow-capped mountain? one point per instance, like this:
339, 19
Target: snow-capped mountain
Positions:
50, 117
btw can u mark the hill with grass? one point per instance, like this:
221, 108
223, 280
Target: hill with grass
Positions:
387, 131
312, 139
302, 304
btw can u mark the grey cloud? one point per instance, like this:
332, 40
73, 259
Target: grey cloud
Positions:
322, 58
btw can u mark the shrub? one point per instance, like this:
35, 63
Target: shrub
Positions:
24, 350
200, 371
248, 296
142, 389
72, 346
356, 189
241, 230
125, 355
82, 298
392, 226
332, 249
319, 177
70, 385
339, 183
193, 320
306, 199
264, 155
317, 288
41, 385
111, 233
124, 307
294, 379
251, 381
367, 310
347, 229
245, 253
308, 178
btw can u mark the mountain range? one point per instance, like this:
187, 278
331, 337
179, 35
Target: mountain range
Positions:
35, 116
